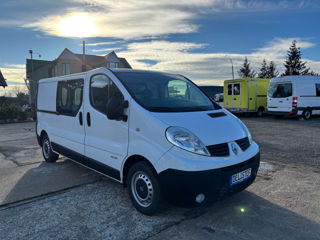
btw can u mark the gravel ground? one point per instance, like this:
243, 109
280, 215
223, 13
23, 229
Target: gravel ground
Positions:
66, 201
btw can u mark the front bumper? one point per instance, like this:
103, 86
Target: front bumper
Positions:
182, 187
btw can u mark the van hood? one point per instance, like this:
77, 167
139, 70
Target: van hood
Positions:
210, 130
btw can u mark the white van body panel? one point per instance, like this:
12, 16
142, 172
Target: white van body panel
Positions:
146, 135
206, 128
304, 88
187, 161
69, 134
106, 140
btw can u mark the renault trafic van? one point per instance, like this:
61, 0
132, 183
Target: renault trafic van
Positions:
156, 133
294, 96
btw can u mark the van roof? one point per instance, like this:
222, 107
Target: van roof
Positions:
83, 74
295, 78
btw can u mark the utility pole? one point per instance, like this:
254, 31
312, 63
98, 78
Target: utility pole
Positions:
84, 57
31, 78
231, 66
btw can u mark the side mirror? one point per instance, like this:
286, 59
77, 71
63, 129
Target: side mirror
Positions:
115, 109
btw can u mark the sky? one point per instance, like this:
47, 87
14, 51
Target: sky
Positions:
196, 38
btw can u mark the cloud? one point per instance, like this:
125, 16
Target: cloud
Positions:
14, 75
278, 47
103, 43
106, 50
205, 68
126, 19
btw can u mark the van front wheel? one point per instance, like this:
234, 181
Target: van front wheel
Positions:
48, 154
307, 114
144, 188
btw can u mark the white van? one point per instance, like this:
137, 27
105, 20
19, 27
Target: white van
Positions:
218, 98
157, 133
294, 96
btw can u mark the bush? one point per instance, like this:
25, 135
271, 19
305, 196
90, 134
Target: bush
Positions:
10, 112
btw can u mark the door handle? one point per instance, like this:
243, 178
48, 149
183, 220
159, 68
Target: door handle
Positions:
88, 119
80, 118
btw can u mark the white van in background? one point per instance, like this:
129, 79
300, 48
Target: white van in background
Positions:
218, 98
294, 96
157, 133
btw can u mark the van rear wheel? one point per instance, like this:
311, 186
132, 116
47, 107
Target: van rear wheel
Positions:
307, 114
47, 152
260, 112
144, 188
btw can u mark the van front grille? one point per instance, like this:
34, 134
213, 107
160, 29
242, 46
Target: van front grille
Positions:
219, 150
243, 143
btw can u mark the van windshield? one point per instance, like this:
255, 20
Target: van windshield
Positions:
161, 92
280, 90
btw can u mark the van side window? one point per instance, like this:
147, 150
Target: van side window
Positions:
69, 97
236, 89
229, 89
318, 89
101, 90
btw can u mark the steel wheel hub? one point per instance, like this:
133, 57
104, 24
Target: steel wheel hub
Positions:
142, 189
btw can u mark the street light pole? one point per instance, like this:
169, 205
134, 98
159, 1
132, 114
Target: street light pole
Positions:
31, 78
231, 66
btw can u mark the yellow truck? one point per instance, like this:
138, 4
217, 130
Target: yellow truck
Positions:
246, 95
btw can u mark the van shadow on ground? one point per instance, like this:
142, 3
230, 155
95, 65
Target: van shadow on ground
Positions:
102, 210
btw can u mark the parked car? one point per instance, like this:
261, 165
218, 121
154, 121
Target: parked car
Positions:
294, 96
154, 132
211, 91
247, 95
218, 98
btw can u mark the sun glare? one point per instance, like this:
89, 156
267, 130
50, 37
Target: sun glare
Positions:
77, 25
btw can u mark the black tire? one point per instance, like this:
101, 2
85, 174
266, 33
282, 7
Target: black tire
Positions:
48, 154
144, 188
260, 112
307, 113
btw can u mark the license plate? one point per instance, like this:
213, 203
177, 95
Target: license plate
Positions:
239, 177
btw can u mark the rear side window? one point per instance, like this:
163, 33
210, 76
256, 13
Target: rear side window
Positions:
281, 90
318, 89
101, 90
69, 97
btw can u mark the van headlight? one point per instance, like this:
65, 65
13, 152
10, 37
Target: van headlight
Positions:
186, 140
246, 130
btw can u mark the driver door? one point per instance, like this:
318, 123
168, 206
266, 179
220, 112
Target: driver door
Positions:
106, 141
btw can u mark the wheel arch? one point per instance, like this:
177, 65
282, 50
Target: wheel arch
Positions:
130, 161
42, 135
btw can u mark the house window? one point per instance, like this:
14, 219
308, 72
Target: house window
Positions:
54, 71
65, 68
112, 64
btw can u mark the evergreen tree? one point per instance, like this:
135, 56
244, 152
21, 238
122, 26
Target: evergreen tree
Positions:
312, 73
245, 71
293, 64
272, 71
263, 70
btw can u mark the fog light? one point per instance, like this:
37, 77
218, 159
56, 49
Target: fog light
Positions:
200, 198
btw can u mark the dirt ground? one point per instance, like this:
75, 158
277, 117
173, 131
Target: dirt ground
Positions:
66, 201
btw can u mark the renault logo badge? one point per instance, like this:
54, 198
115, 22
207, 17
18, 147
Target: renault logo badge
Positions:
234, 148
